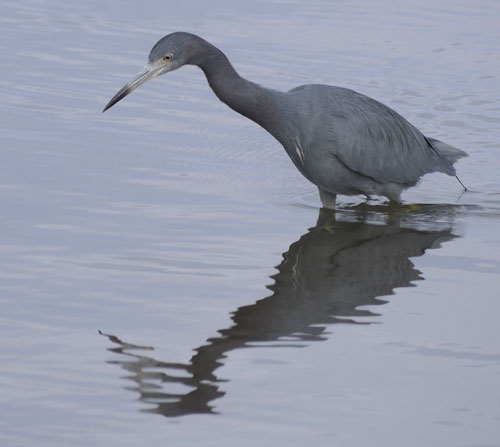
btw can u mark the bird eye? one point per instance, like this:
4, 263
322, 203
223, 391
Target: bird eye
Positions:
168, 57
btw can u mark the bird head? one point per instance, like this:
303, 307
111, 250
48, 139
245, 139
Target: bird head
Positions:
169, 53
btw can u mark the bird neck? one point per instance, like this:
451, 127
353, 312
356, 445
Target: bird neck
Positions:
247, 98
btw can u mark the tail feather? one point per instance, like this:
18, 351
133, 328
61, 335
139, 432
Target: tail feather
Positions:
450, 153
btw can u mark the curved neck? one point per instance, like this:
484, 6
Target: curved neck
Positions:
251, 100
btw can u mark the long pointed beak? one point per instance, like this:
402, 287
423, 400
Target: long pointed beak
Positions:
147, 73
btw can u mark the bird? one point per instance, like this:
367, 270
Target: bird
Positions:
342, 141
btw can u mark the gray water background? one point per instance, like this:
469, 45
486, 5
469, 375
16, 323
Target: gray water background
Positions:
161, 222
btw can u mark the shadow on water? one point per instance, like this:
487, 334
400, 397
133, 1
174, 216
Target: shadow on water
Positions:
348, 260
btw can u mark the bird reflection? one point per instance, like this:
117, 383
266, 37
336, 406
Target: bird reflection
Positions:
347, 261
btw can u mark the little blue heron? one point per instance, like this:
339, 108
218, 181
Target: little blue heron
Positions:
342, 141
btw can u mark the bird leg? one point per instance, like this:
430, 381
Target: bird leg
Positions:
327, 199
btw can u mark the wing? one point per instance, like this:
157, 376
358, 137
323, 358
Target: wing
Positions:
367, 136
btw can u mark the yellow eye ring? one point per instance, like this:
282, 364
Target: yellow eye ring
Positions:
168, 57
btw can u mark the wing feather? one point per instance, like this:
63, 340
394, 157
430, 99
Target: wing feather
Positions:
367, 136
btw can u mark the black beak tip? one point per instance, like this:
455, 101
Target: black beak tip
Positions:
118, 97
110, 104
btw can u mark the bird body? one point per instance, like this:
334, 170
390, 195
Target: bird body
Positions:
342, 141
358, 145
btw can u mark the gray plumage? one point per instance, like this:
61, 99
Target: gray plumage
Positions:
342, 141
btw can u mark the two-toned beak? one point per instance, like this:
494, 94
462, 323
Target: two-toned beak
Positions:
149, 72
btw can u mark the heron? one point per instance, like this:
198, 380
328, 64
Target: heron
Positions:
342, 141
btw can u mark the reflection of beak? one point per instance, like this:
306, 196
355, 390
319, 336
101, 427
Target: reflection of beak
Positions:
149, 72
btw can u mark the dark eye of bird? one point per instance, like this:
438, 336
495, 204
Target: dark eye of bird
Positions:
167, 57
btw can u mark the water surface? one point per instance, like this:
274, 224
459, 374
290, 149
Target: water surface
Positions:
232, 311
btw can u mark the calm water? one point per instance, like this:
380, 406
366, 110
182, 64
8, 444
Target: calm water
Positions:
231, 311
